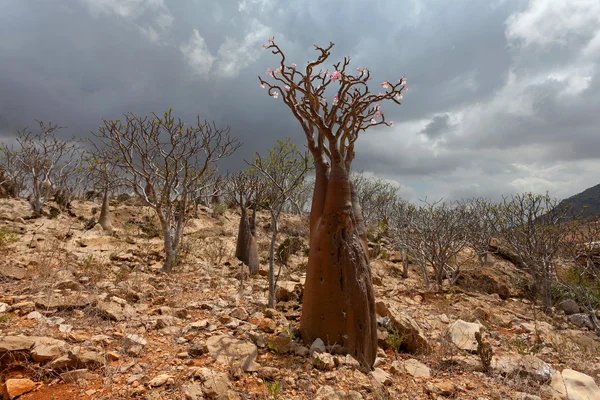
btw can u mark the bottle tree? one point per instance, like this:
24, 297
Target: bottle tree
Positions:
333, 107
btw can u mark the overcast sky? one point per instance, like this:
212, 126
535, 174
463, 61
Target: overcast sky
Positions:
504, 95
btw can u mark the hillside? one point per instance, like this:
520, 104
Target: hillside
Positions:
586, 203
86, 314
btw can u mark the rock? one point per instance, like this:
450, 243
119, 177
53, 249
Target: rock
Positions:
68, 284
525, 396
159, 380
318, 346
416, 368
287, 291
134, 344
47, 349
569, 307
74, 375
445, 388
267, 373
197, 350
323, 361
16, 387
226, 350
64, 302
12, 272
195, 327
573, 385
193, 392
16, 343
527, 366
3, 307
110, 310
462, 334
214, 385
267, 325
240, 313
381, 377
326, 392
413, 339
581, 320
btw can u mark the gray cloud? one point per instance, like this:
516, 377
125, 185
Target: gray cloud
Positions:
502, 95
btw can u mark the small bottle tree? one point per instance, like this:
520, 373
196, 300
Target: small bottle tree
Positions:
284, 170
333, 108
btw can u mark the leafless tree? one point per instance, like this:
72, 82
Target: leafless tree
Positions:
46, 161
436, 233
377, 198
481, 212
163, 162
400, 224
12, 175
582, 280
284, 170
533, 228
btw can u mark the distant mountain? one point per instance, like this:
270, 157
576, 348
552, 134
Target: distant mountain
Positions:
586, 203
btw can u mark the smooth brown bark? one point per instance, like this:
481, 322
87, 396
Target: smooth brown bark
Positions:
104, 219
338, 302
246, 249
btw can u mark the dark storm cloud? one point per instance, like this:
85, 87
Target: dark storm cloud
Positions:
501, 83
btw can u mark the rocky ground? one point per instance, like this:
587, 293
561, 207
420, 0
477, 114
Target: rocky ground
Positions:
87, 314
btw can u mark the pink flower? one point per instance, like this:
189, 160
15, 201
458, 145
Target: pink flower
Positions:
335, 100
265, 46
269, 71
376, 107
385, 85
293, 66
262, 85
271, 39
359, 69
336, 75
378, 114
373, 121
287, 87
399, 96
391, 123
277, 71
403, 81
275, 95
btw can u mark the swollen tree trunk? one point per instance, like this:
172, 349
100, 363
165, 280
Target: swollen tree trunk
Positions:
246, 249
104, 219
274, 218
338, 302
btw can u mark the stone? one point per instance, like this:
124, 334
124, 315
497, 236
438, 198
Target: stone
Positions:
573, 385
318, 346
267, 325
47, 349
74, 375
3, 307
416, 368
268, 373
68, 284
16, 387
110, 310
526, 366
12, 272
327, 392
286, 291
195, 327
197, 350
569, 307
133, 344
214, 385
413, 338
525, 396
381, 377
193, 392
462, 334
581, 320
72, 302
240, 313
159, 380
16, 343
323, 361
228, 350
445, 388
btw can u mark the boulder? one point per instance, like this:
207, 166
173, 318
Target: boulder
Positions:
48, 349
227, 350
318, 346
160, 380
413, 339
569, 307
416, 368
462, 334
12, 272
214, 385
381, 377
16, 343
16, 387
528, 366
581, 320
288, 291
573, 385
110, 310
331, 393
64, 302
